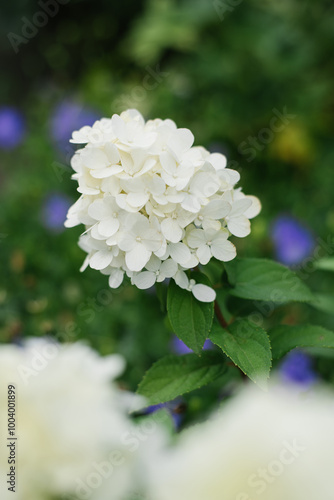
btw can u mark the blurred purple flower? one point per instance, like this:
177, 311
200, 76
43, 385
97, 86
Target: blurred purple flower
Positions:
67, 117
179, 347
292, 241
297, 368
54, 211
12, 127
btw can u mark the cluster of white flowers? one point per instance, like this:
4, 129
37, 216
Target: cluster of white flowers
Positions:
261, 446
72, 423
154, 205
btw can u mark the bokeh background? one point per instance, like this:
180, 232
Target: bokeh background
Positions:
223, 68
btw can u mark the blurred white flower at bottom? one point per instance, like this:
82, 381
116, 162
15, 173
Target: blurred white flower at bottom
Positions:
260, 446
72, 426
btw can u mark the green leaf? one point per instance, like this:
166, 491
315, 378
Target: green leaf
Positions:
248, 346
284, 338
321, 352
325, 264
323, 302
173, 375
191, 320
262, 279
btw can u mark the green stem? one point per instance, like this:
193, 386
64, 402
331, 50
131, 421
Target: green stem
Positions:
220, 316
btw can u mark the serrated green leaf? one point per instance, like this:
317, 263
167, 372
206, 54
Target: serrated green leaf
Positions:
284, 338
262, 279
248, 346
173, 376
325, 264
191, 320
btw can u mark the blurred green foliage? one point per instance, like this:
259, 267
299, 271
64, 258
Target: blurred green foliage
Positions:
220, 71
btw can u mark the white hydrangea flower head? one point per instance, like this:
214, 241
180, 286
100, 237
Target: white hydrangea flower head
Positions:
70, 419
153, 204
259, 446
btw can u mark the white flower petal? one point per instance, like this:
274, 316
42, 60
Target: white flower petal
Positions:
181, 279
218, 161
168, 268
144, 280
95, 233
230, 176
203, 293
163, 251
116, 278
179, 252
196, 238
100, 259
216, 209
191, 203
153, 264
168, 163
254, 209
119, 127
98, 210
191, 263
239, 207
95, 158
126, 240
223, 250
239, 226
112, 153
211, 224
171, 230
137, 199
72, 221
180, 141
137, 258
88, 190
204, 254
85, 264
81, 136
152, 240
102, 173
108, 227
